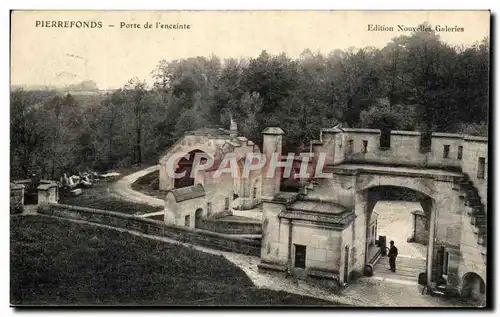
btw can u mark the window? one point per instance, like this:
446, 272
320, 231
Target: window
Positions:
364, 149
209, 208
350, 145
187, 221
254, 192
446, 151
226, 206
300, 256
426, 142
461, 199
480, 168
459, 152
385, 139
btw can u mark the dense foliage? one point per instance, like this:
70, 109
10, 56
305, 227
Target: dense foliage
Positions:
415, 82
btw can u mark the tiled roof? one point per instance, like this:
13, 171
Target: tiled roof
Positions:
186, 193
317, 206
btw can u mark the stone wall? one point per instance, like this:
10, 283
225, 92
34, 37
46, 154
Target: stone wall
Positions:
359, 235
48, 193
473, 148
348, 242
218, 191
405, 150
230, 227
274, 231
322, 245
471, 258
421, 229
189, 235
16, 198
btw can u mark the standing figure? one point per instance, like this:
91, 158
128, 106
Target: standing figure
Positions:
393, 253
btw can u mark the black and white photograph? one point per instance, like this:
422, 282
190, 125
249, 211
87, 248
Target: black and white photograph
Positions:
265, 158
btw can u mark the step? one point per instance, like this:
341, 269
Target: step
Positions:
401, 270
405, 265
476, 210
481, 240
401, 266
472, 192
413, 275
405, 260
473, 202
395, 276
479, 230
478, 220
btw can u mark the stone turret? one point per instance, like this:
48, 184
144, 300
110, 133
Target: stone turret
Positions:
272, 144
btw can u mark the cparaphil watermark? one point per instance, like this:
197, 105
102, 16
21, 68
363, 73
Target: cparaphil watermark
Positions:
239, 166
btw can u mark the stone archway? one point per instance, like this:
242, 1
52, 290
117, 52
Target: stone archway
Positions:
408, 212
473, 287
198, 216
186, 165
372, 194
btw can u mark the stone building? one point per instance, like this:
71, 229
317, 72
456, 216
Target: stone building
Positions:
324, 232
208, 195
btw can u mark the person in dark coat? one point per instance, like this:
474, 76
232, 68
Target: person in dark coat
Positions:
393, 253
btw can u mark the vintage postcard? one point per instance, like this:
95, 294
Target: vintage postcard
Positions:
249, 158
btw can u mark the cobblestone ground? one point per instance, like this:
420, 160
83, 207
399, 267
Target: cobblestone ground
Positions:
392, 293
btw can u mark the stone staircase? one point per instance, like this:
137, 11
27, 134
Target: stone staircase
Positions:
475, 209
407, 268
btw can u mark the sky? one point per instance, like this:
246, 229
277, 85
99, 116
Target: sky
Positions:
112, 55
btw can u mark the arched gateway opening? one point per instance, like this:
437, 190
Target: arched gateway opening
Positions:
402, 215
186, 165
473, 287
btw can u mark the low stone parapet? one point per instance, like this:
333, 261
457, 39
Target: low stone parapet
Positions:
230, 226
188, 235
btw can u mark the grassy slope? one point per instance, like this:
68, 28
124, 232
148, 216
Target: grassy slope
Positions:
144, 185
60, 262
99, 197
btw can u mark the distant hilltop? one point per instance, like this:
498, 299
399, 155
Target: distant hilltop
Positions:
85, 87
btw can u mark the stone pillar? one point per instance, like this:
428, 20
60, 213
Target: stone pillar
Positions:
48, 193
429, 206
272, 144
276, 242
165, 182
16, 198
329, 142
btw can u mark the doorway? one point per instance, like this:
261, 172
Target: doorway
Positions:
398, 214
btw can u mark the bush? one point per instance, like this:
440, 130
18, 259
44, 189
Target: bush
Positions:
476, 129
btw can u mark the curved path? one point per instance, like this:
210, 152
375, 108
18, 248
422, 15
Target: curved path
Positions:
123, 190
363, 292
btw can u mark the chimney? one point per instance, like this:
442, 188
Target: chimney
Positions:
272, 143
